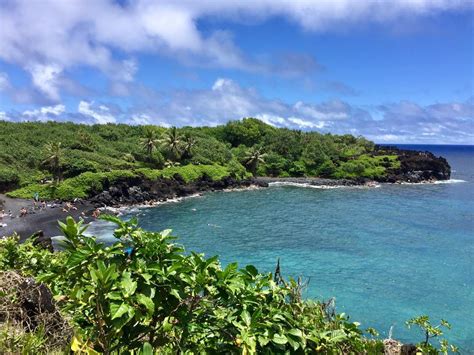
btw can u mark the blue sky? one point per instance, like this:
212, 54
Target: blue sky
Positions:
398, 71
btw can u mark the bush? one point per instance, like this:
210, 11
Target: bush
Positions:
9, 179
237, 170
327, 169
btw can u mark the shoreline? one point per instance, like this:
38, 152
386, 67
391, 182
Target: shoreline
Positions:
46, 220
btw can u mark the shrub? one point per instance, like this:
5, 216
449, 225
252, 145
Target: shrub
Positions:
237, 170
9, 178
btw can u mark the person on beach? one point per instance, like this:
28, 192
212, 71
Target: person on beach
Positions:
23, 212
96, 213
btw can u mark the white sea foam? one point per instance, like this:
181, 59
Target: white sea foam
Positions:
450, 181
322, 187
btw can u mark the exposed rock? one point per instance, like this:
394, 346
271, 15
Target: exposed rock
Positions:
416, 166
394, 347
30, 305
39, 239
133, 191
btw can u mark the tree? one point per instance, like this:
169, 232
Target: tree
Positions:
171, 141
189, 143
149, 142
253, 158
53, 160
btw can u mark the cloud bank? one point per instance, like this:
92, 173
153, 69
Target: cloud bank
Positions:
48, 38
405, 121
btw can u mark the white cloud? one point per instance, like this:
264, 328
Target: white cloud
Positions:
101, 114
45, 113
3, 116
45, 78
49, 37
398, 122
305, 124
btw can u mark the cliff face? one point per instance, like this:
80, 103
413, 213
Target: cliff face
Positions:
133, 191
416, 166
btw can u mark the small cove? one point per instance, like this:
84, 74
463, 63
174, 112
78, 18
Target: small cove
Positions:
386, 254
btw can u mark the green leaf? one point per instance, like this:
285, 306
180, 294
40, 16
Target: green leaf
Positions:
147, 302
296, 332
252, 270
246, 318
147, 349
118, 311
128, 285
279, 339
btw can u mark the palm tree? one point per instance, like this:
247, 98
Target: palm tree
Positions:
53, 161
188, 145
149, 141
171, 141
253, 158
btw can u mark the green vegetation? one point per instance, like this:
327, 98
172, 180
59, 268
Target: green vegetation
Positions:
143, 294
431, 331
57, 159
89, 183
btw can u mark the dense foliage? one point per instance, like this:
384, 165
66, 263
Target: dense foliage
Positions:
35, 152
143, 294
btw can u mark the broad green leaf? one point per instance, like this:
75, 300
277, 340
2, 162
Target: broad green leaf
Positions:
147, 349
118, 310
128, 285
296, 332
279, 339
246, 317
147, 302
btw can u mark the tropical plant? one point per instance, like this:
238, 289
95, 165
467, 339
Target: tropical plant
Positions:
432, 331
189, 142
254, 156
149, 141
171, 142
53, 159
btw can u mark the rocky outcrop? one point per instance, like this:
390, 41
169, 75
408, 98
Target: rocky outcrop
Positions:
133, 191
416, 166
394, 347
29, 305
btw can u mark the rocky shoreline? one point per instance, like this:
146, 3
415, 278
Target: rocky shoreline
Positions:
415, 167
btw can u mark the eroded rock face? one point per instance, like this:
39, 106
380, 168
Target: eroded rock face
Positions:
129, 192
416, 166
29, 305
394, 347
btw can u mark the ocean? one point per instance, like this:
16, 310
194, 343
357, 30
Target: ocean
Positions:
386, 254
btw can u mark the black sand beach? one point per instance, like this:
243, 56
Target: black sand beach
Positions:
35, 220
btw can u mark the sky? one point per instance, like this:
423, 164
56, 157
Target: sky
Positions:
394, 71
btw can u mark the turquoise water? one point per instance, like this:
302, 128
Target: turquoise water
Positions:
386, 254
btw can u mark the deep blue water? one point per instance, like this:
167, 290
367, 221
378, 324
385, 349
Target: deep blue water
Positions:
387, 254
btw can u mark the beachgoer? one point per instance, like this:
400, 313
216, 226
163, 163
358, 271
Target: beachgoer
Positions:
96, 213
